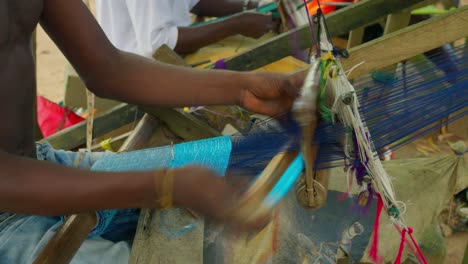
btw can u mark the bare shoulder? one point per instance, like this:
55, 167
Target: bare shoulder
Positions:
18, 18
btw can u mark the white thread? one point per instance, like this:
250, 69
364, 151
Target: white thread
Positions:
172, 150
348, 72
350, 117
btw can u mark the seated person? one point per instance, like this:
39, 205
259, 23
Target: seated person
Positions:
38, 183
143, 26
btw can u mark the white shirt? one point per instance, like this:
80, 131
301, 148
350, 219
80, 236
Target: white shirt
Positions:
142, 26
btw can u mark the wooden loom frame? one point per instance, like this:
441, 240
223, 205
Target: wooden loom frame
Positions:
440, 30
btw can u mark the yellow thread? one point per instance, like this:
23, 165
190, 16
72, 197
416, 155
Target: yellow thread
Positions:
164, 188
328, 56
335, 72
106, 144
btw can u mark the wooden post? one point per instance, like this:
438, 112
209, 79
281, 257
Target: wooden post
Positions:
67, 240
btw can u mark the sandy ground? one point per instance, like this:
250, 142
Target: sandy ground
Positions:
51, 84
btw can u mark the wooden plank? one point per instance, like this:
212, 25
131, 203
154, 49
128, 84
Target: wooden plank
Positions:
339, 22
154, 242
397, 21
67, 240
408, 42
185, 126
114, 118
141, 134
355, 37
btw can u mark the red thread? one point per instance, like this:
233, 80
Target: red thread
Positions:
414, 247
421, 255
345, 195
374, 249
402, 246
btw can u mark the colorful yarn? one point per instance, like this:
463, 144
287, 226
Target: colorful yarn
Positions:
220, 65
374, 249
401, 247
416, 250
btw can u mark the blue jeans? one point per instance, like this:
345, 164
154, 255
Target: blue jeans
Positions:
22, 237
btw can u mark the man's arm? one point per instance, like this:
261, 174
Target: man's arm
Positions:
249, 24
154, 26
33, 187
29, 186
114, 74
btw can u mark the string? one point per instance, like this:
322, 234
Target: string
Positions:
418, 249
414, 247
401, 247
373, 252
312, 29
393, 117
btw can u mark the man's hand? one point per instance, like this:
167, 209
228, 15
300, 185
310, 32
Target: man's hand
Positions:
255, 25
270, 94
203, 191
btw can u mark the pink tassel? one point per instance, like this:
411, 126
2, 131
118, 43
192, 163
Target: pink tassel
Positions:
414, 247
402, 246
345, 195
374, 249
421, 255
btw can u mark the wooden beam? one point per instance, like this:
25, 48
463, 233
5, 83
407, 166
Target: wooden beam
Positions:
397, 21
408, 42
141, 134
185, 126
114, 118
339, 22
67, 240
355, 37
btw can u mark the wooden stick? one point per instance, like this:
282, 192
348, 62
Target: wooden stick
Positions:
141, 134
106, 122
250, 206
67, 240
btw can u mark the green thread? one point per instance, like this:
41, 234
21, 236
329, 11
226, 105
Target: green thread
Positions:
325, 112
383, 77
394, 212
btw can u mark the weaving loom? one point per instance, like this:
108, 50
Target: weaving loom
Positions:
250, 153
398, 108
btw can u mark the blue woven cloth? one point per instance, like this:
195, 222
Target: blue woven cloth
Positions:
212, 153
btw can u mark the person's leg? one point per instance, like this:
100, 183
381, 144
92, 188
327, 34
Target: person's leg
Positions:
123, 226
81, 159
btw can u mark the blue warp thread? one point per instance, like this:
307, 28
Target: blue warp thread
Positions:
213, 153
